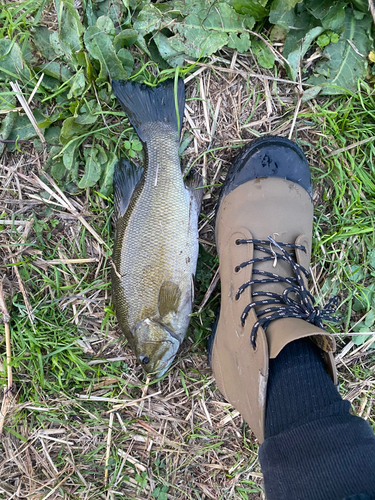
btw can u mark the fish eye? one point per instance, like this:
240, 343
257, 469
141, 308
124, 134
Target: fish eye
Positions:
144, 360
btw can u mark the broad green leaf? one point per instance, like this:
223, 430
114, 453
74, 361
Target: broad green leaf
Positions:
70, 30
52, 135
99, 45
199, 7
361, 339
364, 299
264, 55
54, 164
28, 52
361, 5
104, 95
107, 175
126, 59
330, 287
102, 155
323, 40
141, 44
105, 23
285, 19
345, 61
298, 23
195, 37
254, 8
41, 37
6, 127
78, 85
56, 70
370, 318
335, 18
92, 169
318, 8
224, 18
311, 93
358, 15
371, 257
88, 113
22, 128
278, 33
90, 15
240, 42
125, 38
69, 130
61, 51
113, 9
69, 155
194, 40
355, 273
12, 64
156, 56
149, 20
170, 55
279, 8
295, 57
137, 145
58, 170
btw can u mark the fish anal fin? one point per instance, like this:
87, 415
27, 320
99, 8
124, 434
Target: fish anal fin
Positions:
194, 183
125, 178
169, 298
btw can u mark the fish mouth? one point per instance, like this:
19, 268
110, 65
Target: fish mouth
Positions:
167, 365
156, 345
161, 358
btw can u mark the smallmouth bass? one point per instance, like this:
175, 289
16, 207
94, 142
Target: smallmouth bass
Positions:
156, 242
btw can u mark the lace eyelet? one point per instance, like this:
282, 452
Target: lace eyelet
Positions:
237, 242
237, 269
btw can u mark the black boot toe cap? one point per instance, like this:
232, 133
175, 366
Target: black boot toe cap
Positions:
269, 156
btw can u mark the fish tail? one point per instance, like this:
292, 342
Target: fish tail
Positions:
144, 104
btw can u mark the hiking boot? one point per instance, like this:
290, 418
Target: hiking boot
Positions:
263, 237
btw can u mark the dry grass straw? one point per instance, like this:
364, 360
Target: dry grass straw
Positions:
60, 199
25, 106
372, 8
7, 397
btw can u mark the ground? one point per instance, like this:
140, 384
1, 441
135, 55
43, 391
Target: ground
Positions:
83, 421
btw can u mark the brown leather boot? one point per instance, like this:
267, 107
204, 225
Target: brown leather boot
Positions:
263, 237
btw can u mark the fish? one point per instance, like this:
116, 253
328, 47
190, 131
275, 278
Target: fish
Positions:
156, 228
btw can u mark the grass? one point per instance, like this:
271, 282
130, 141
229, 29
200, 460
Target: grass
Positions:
175, 437
344, 244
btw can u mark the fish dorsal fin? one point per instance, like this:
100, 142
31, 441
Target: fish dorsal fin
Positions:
169, 298
125, 178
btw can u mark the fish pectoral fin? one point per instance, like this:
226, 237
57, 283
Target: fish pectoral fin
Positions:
194, 183
169, 298
126, 176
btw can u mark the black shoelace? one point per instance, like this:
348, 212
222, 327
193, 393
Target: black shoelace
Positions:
304, 308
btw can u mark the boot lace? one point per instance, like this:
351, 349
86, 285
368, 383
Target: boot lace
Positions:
288, 307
